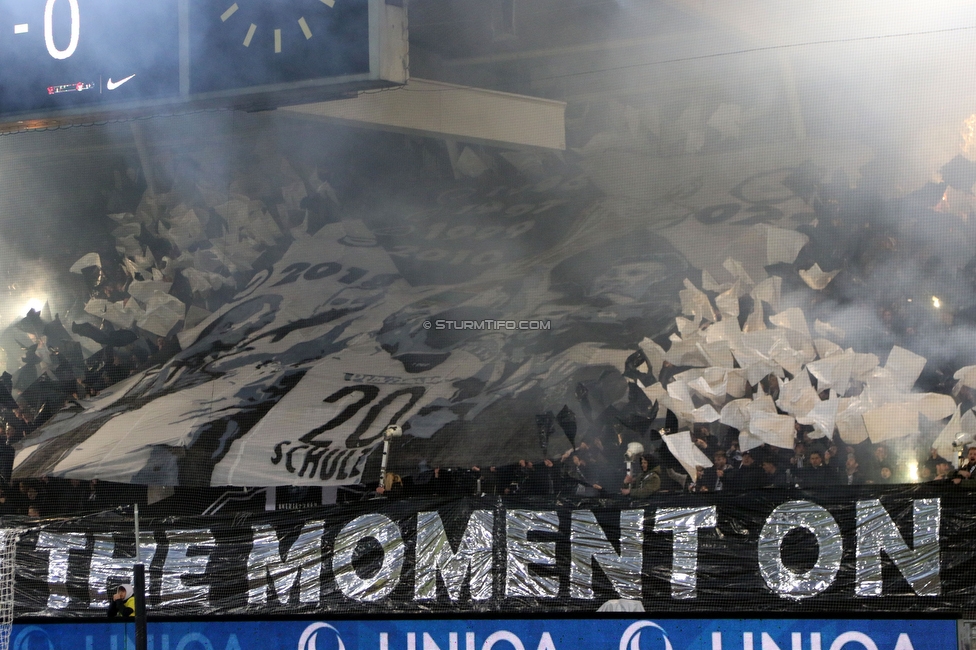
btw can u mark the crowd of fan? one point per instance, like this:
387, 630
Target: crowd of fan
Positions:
585, 471
55, 371
847, 237
48, 392
45, 497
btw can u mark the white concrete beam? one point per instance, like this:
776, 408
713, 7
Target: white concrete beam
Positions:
433, 108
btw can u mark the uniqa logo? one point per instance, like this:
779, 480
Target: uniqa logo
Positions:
310, 636
631, 638
33, 638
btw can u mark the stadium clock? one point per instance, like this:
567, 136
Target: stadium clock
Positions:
239, 43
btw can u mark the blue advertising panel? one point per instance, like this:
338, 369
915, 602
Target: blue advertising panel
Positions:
568, 634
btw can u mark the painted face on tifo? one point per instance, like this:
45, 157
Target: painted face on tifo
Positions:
627, 280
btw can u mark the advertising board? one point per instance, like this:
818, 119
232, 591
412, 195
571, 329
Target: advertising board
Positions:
499, 634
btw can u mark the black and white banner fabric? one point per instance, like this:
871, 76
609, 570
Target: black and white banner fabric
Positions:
840, 551
433, 318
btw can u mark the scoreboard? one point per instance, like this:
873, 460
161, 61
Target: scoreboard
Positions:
73, 59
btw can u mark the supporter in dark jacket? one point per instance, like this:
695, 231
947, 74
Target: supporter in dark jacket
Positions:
734, 454
579, 478
34, 500
967, 469
17, 498
7, 453
774, 476
816, 474
749, 475
432, 482
931, 463
538, 478
71, 498
943, 472
882, 466
799, 459
6, 506
94, 499
705, 441
852, 474
717, 477
647, 483
492, 481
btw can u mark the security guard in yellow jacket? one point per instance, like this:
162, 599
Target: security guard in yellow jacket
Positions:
123, 602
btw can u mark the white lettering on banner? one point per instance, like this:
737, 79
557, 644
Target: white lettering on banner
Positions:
503, 635
684, 524
470, 642
59, 546
189, 641
106, 568
814, 641
589, 544
904, 642
854, 637
480, 546
877, 533
322, 431
436, 557
268, 567
378, 586
521, 552
631, 638
185, 558
430, 644
194, 637
796, 640
545, 642
361, 378
784, 519
309, 638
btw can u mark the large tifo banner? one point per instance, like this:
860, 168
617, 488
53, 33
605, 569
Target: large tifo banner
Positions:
460, 313
849, 550
568, 634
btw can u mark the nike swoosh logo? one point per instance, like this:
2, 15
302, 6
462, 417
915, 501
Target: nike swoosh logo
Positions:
112, 85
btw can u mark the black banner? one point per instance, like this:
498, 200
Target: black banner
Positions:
846, 550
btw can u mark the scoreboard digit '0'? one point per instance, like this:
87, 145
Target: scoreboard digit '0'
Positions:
72, 59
